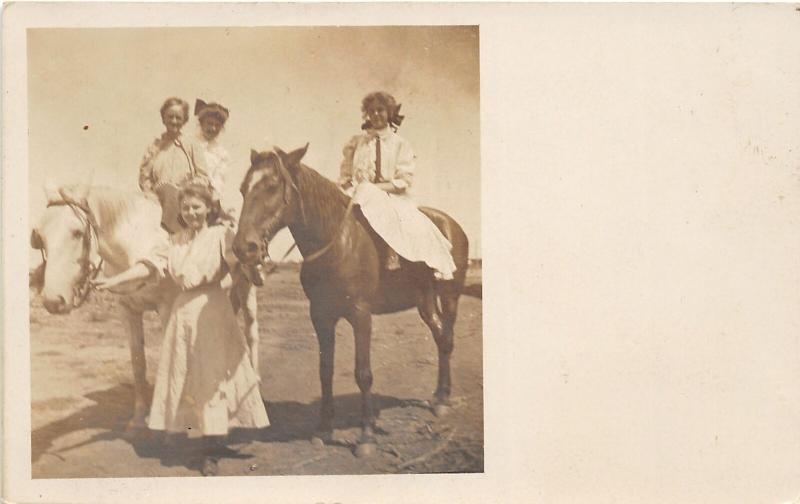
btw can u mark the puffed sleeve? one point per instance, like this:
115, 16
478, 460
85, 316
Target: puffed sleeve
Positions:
404, 168
156, 261
346, 168
200, 262
146, 181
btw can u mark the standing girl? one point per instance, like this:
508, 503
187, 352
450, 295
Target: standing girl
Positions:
377, 170
205, 383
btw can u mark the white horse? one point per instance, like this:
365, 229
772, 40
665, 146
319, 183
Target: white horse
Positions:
85, 229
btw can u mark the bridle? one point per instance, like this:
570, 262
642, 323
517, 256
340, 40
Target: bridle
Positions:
291, 186
89, 271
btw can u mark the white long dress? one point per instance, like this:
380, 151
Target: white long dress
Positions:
205, 382
216, 161
395, 217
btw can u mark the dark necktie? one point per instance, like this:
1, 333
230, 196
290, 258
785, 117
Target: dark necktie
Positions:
378, 176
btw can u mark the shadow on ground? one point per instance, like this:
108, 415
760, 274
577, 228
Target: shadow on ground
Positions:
290, 421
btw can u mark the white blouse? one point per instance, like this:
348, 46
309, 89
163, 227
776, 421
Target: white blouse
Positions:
397, 159
216, 160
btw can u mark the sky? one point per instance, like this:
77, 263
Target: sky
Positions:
95, 94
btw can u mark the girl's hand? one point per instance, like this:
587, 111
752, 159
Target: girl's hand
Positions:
139, 271
103, 283
389, 188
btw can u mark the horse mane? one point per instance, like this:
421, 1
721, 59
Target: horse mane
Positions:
321, 198
113, 207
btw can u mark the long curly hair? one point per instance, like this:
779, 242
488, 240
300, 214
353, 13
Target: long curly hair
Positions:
388, 101
199, 187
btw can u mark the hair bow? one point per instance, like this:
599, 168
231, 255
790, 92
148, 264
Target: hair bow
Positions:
200, 107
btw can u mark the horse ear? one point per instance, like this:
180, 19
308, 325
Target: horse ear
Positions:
253, 156
74, 193
36, 240
292, 159
51, 192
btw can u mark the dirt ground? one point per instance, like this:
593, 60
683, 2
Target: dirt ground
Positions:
82, 395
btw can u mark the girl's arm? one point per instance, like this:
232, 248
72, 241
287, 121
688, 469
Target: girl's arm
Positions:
137, 272
146, 169
346, 168
404, 171
390, 187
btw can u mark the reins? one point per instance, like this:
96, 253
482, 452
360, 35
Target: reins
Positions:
89, 271
316, 255
319, 253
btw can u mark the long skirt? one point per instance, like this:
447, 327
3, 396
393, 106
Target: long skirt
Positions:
205, 383
405, 228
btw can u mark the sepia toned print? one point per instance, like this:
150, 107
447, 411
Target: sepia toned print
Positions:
257, 251
639, 184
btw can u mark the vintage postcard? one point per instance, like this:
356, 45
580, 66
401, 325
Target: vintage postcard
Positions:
243, 253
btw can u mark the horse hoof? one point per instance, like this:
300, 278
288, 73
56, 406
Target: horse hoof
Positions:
365, 450
440, 410
321, 438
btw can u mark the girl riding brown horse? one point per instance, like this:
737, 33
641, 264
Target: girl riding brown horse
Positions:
341, 274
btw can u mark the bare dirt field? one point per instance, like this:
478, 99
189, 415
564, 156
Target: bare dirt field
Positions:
81, 392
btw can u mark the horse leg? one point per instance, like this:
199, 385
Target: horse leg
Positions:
442, 331
251, 323
361, 320
135, 327
325, 326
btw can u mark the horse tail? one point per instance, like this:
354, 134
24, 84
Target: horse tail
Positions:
455, 234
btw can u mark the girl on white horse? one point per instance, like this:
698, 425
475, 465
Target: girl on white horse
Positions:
212, 118
170, 160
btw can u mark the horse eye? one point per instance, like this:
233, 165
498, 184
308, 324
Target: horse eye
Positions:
77, 233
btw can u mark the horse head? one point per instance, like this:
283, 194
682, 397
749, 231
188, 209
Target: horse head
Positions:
67, 238
271, 202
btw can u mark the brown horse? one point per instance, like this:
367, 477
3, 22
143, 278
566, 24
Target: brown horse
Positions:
342, 274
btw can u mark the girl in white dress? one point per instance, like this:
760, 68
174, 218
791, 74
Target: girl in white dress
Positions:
212, 118
377, 171
205, 383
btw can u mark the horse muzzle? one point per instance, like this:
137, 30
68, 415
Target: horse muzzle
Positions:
249, 250
257, 274
56, 305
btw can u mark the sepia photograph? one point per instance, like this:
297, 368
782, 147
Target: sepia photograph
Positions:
255, 251
243, 253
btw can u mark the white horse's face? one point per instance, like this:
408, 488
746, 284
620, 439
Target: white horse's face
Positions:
61, 235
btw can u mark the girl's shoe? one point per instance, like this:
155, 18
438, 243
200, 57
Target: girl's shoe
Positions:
210, 467
392, 260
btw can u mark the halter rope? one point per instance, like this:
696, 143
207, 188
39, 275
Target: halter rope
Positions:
319, 253
89, 271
